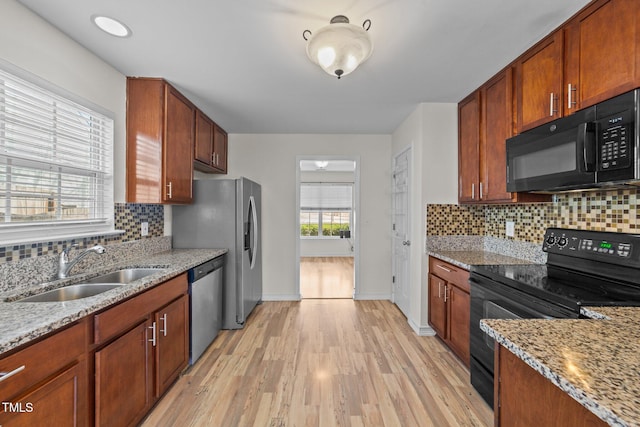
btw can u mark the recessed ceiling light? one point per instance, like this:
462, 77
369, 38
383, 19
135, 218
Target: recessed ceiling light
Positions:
111, 26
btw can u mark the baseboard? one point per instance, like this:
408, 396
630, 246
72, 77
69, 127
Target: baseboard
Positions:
423, 331
370, 297
285, 297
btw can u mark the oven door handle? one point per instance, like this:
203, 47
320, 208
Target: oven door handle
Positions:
587, 145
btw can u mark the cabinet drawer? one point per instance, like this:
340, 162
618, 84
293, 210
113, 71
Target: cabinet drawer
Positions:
41, 360
449, 272
118, 319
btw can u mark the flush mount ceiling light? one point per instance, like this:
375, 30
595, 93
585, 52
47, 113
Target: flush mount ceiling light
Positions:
338, 48
111, 26
321, 164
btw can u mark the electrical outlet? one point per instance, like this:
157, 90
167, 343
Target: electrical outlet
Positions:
144, 228
510, 229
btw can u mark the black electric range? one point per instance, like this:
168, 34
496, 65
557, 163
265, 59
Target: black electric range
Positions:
584, 268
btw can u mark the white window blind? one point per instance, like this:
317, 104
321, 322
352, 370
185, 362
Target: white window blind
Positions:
55, 159
326, 196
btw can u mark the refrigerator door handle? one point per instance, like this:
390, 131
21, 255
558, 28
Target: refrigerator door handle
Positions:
254, 229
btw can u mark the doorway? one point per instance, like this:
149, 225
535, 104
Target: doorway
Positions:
327, 238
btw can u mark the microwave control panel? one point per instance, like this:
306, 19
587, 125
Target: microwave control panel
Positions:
614, 149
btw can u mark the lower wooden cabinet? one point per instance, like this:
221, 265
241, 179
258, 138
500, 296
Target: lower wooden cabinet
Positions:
172, 343
134, 369
46, 383
123, 379
546, 404
449, 308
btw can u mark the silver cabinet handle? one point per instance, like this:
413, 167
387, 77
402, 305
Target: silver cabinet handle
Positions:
551, 102
480, 191
213, 158
153, 334
5, 375
473, 191
446, 288
443, 268
164, 323
169, 186
570, 101
439, 289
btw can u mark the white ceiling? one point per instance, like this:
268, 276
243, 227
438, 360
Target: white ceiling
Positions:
243, 62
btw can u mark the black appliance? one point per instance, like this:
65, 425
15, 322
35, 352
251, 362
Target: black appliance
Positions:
584, 268
598, 146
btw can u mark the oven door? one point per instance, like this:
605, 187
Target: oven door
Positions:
560, 155
493, 300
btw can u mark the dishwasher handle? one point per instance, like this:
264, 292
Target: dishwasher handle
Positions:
206, 268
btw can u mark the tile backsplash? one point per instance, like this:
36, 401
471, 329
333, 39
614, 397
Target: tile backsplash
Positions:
127, 216
613, 210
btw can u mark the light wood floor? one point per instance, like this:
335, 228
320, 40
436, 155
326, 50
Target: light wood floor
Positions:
326, 277
324, 363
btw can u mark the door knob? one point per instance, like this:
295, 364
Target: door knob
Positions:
406, 242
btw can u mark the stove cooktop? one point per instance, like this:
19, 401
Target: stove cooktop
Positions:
568, 288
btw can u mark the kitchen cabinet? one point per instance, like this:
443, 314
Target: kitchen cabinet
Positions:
210, 153
449, 306
146, 346
603, 52
592, 57
539, 82
485, 122
469, 148
547, 405
160, 142
49, 383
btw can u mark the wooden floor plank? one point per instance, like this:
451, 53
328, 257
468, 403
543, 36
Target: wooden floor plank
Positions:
320, 363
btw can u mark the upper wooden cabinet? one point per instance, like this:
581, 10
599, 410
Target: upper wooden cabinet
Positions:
160, 141
485, 121
603, 52
469, 148
593, 57
539, 76
210, 153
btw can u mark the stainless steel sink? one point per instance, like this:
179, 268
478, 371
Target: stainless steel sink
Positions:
124, 276
71, 292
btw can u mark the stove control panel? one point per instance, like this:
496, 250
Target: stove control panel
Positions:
617, 248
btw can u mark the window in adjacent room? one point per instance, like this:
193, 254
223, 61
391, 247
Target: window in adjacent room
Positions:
326, 209
56, 155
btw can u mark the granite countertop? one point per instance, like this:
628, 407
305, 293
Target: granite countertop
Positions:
596, 361
465, 259
21, 322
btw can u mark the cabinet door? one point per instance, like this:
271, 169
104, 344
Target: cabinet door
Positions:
204, 139
469, 148
437, 306
172, 350
123, 379
539, 82
603, 58
498, 118
550, 407
458, 303
178, 148
220, 149
60, 401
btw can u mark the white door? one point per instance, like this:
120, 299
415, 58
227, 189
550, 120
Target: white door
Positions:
400, 230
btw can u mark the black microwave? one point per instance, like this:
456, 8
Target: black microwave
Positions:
594, 147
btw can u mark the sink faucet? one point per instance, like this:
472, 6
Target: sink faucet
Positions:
64, 265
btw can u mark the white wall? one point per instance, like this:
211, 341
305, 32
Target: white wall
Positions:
432, 133
29, 42
271, 161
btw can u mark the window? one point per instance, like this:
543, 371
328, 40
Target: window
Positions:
55, 163
325, 209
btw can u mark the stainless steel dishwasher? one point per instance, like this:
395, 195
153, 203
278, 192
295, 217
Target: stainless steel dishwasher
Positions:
205, 302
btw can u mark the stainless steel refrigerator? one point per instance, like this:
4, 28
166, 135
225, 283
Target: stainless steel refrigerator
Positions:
226, 214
